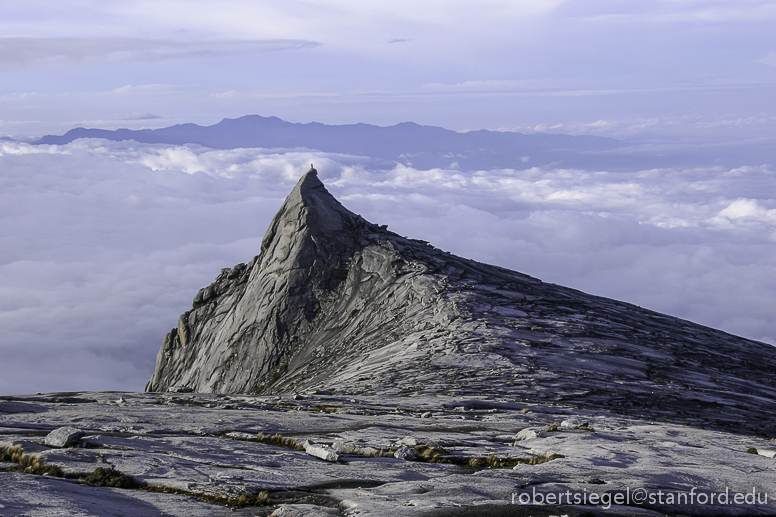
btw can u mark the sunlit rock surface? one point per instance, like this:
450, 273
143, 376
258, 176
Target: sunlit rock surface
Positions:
350, 371
203, 449
336, 303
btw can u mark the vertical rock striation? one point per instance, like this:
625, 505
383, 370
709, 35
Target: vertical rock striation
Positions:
335, 302
323, 273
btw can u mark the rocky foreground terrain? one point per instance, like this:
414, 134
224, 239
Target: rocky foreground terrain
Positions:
347, 370
202, 455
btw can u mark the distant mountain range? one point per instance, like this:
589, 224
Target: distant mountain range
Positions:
408, 143
428, 146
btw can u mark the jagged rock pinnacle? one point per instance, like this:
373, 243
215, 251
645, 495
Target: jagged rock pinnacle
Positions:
333, 301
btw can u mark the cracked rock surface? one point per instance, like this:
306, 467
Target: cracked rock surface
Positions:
347, 370
334, 302
204, 449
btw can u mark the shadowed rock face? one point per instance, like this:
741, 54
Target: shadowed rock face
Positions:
335, 302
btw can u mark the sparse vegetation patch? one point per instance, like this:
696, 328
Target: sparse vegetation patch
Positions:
439, 455
278, 439
109, 477
260, 499
30, 463
493, 461
429, 454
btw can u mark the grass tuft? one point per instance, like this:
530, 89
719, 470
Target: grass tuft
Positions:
539, 459
383, 453
429, 454
439, 455
280, 440
260, 499
752, 450
477, 462
109, 477
29, 463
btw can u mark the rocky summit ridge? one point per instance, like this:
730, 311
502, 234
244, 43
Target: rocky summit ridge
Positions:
334, 303
349, 371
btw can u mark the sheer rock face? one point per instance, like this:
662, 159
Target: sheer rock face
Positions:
322, 277
335, 302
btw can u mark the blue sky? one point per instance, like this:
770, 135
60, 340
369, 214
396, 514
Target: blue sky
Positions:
703, 69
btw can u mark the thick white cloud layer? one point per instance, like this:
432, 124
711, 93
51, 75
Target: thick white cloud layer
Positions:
103, 244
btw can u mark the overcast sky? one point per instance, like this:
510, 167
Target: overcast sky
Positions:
104, 244
612, 67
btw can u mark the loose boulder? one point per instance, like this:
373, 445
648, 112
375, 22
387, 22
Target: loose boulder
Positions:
405, 453
526, 434
64, 437
350, 448
320, 451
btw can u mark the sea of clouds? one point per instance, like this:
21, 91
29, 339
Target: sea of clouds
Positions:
103, 244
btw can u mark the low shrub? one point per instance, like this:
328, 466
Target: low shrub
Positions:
429, 454
109, 477
278, 439
260, 499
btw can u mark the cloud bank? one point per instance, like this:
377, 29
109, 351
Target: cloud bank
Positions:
22, 51
103, 244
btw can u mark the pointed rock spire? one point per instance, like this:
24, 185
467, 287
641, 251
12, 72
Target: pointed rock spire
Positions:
269, 303
335, 302
308, 208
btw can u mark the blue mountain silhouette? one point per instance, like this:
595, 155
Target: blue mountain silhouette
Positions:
428, 146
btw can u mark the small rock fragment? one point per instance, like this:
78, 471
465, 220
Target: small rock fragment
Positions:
320, 451
526, 434
405, 453
237, 435
63, 437
350, 448
180, 389
427, 414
